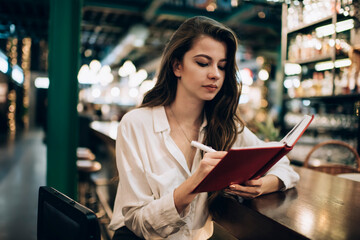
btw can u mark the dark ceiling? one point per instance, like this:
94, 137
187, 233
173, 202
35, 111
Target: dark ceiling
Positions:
106, 23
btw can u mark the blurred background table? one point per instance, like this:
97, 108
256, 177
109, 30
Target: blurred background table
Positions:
105, 130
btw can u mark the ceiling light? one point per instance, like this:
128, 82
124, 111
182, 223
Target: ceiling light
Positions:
95, 74
246, 76
263, 75
87, 52
245, 89
95, 92
133, 92
264, 103
211, 7
146, 86
244, 99
84, 74
105, 69
95, 65
261, 15
136, 79
115, 92
127, 68
142, 73
139, 42
42, 82
136, 37
260, 60
105, 109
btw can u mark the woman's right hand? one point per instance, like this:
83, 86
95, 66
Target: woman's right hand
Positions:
209, 161
183, 195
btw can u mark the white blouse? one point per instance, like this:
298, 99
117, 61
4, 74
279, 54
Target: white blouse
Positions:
151, 166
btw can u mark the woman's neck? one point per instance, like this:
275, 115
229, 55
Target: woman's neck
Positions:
188, 113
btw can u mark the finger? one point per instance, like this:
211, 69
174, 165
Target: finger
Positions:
210, 161
245, 189
213, 158
254, 182
241, 194
218, 154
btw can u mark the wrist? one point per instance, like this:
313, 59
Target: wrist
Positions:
272, 183
183, 195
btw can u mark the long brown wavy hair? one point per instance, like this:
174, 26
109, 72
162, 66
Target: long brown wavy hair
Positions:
222, 111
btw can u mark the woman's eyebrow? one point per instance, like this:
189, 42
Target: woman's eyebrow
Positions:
208, 57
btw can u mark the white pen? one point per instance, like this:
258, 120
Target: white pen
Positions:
202, 146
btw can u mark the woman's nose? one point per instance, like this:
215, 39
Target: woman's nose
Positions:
214, 72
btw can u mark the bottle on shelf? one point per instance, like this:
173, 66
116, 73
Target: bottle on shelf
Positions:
294, 18
327, 86
308, 11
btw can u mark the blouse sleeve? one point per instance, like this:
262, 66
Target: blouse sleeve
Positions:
146, 216
281, 169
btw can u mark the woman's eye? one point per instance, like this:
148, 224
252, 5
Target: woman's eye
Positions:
221, 67
202, 64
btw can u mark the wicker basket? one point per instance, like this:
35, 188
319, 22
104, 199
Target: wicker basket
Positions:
333, 168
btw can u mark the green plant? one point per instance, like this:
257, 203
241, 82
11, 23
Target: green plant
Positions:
266, 130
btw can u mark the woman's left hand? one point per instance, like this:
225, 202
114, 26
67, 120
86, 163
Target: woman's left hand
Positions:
249, 190
256, 187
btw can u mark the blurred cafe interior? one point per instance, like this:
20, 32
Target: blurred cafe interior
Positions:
70, 69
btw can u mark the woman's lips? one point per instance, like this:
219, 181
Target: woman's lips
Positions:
210, 87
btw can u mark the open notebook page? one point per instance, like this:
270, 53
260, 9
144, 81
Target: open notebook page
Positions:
291, 138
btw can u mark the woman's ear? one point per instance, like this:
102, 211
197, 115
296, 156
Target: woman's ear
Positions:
177, 68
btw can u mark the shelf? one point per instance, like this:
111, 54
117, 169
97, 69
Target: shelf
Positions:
328, 129
353, 96
312, 60
318, 59
344, 104
303, 26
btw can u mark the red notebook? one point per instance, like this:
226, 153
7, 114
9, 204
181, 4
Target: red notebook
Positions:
242, 164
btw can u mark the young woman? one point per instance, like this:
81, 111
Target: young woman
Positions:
195, 98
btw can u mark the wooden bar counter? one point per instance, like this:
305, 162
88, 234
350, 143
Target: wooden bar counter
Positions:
321, 206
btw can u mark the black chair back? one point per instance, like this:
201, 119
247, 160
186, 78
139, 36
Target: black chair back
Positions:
62, 218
